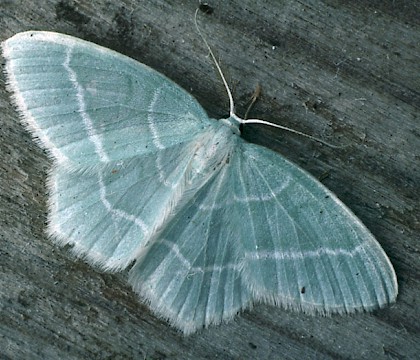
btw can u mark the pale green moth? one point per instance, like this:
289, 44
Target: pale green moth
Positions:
210, 224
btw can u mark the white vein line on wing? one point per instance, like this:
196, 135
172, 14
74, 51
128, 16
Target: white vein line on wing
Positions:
174, 248
155, 136
247, 199
93, 136
151, 111
118, 212
292, 255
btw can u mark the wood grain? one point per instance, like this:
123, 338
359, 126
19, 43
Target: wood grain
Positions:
347, 72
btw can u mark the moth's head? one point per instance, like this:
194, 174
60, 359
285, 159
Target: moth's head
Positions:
233, 123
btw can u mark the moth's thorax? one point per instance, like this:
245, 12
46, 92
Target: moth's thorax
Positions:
232, 124
212, 151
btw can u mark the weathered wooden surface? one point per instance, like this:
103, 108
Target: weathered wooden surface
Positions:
347, 72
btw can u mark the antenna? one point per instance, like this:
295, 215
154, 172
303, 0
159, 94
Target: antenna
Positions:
232, 104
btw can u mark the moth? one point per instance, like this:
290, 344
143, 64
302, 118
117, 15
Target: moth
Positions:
207, 222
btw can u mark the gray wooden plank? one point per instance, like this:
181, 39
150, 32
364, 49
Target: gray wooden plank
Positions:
347, 72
